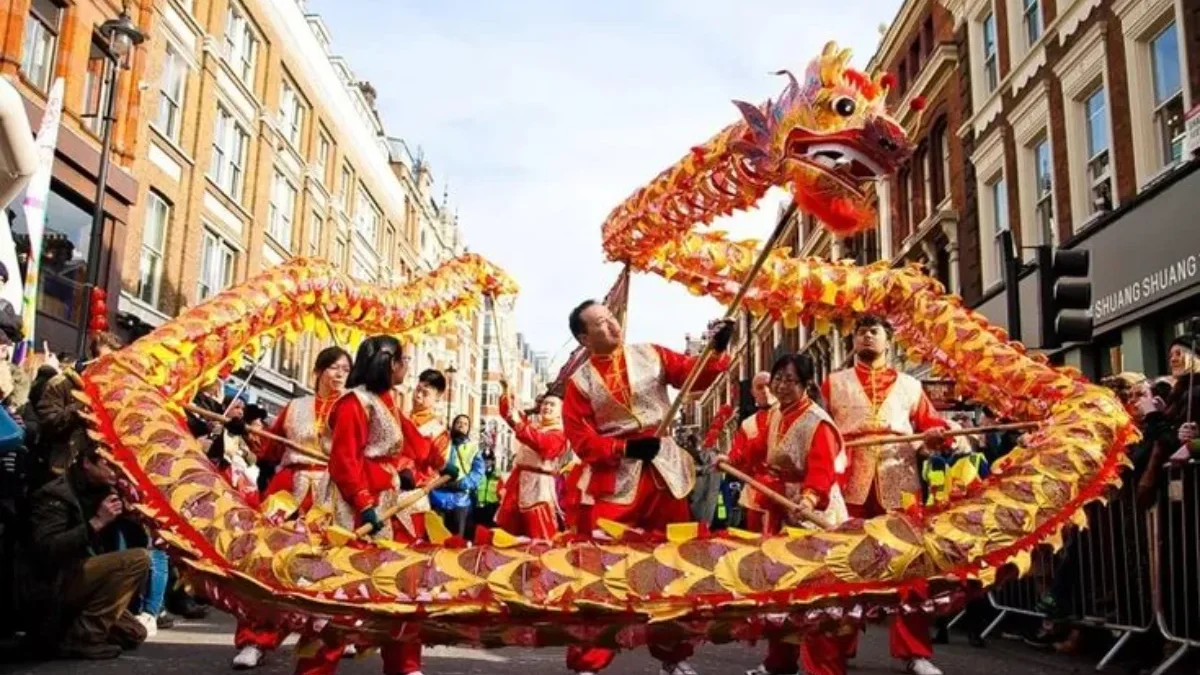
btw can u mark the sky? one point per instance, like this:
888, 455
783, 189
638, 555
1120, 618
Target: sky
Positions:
543, 115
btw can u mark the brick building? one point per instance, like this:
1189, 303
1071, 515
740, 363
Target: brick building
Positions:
41, 41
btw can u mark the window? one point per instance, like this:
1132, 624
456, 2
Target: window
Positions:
998, 192
170, 93
96, 88
359, 269
366, 216
322, 159
339, 252
291, 114
68, 226
154, 239
1096, 119
927, 202
909, 199
943, 143
1043, 190
1032, 20
314, 233
216, 266
389, 244
347, 180
230, 141
1168, 95
41, 39
281, 211
241, 46
991, 63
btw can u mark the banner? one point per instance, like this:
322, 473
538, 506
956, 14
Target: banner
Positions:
36, 195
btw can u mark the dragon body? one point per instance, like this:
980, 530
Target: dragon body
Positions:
613, 591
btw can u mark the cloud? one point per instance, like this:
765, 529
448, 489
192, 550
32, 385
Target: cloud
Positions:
544, 115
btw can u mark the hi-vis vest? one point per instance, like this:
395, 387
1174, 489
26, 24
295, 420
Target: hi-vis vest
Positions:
890, 470
488, 492
944, 475
648, 404
302, 426
384, 439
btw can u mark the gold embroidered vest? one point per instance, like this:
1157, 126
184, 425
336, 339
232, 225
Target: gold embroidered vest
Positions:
648, 404
536, 486
891, 470
301, 426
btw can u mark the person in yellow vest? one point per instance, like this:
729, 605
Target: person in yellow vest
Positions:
487, 495
869, 400
454, 500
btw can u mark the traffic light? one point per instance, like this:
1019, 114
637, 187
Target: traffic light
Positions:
98, 311
1066, 296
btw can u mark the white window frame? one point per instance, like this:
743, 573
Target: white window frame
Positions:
321, 158
217, 271
1043, 198
152, 255
347, 188
39, 31
1164, 144
367, 216
241, 44
291, 113
281, 210
172, 90
316, 226
1082, 72
96, 88
230, 144
1031, 124
1141, 21
1032, 26
989, 170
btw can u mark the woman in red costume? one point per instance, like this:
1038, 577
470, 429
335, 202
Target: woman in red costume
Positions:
795, 449
304, 421
530, 505
376, 455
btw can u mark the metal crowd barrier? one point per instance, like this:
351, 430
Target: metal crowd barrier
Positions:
1176, 564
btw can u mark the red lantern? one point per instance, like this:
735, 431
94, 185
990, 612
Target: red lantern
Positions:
98, 310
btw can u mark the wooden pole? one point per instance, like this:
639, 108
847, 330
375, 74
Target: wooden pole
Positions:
329, 325
246, 382
730, 312
311, 453
949, 433
390, 512
808, 514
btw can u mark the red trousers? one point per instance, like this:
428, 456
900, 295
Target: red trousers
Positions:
399, 658
653, 508
909, 635
820, 653
264, 636
538, 521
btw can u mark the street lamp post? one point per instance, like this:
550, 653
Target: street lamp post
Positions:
120, 36
450, 373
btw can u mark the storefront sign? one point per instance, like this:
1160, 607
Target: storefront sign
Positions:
1191, 136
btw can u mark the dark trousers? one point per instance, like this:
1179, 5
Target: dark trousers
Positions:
96, 590
456, 520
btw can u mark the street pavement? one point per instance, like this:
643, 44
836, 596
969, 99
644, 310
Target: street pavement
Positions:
192, 648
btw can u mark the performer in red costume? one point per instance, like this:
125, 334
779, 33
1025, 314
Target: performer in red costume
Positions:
874, 399
303, 421
530, 504
377, 455
793, 448
611, 412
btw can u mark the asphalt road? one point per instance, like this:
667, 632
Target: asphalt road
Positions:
192, 648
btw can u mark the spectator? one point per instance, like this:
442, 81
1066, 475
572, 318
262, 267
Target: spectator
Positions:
62, 432
707, 491
453, 500
10, 318
89, 591
487, 495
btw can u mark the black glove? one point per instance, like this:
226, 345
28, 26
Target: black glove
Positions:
407, 480
645, 449
369, 517
451, 472
720, 339
236, 427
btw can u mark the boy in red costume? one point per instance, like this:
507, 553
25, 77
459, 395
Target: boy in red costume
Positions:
376, 455
873, 399
794, 449
530, 504
613, 406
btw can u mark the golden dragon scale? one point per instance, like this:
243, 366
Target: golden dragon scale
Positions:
613, 592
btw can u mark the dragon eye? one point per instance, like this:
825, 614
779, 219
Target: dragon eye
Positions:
844, 106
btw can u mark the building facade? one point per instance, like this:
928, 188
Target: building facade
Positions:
255, 144
40, 42
1076, 139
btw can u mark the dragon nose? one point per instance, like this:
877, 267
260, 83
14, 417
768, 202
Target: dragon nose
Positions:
888, 138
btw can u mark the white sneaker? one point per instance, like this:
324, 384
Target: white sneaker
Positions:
248, 658
149, 622
681, 668
349, 652
922, 667
758, 670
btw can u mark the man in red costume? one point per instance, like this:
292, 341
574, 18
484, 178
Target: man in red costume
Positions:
530, 504
873, 399
612, 409
794, 449
377, 454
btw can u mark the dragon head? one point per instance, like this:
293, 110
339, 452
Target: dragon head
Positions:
831, 137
